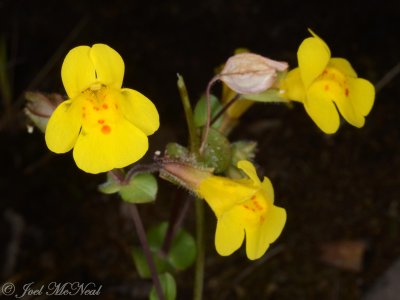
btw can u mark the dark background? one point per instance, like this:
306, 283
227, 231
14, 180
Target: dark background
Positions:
55, 226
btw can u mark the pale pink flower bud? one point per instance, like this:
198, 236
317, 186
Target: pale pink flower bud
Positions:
249, 73
39, 107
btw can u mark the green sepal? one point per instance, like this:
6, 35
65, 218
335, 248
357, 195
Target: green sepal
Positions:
200, 111
174, 150
141, 188
217, 153
168, 285
270, 95
243, 150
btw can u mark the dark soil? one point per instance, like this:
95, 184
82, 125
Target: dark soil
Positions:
56, 227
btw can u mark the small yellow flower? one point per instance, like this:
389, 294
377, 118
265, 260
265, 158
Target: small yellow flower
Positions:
106, 125
325, 85
243, 207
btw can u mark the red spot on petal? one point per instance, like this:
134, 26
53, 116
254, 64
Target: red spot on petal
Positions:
105, 106
95, 108
326, 87
101, 121
116, 106
106, 129
262, 219
346, 92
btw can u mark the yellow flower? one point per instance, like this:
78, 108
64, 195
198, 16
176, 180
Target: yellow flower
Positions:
325, 85
106, 125
243, 207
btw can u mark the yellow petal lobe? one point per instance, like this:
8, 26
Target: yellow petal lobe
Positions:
63, 127
140, 111
78, 71
293, 87
115, 145
362, 95
320, 107
108, 64
229, 235
313, 56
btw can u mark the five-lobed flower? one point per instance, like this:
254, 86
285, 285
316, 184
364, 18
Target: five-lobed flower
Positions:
244, 208
325, 85
106, 125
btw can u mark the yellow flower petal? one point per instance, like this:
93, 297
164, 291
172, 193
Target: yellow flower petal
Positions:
349, 113
78, 71
259, 238
362, 95
229, 234
249, 169
109, 65
140, 111
320, 107
313, 56
222, 194
268, 189
256, 245
274, 223
343, 66
293, 86
115, 146
63, 127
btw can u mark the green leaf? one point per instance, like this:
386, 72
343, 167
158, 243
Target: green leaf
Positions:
168, 286
183, 247
112, 185
142, 266
141, 263
183, 251
218, 152
200, 111
142, 188
156, 234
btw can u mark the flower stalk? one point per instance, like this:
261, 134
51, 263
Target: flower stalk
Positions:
146, 249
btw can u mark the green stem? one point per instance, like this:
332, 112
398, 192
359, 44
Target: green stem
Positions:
194, 144
193, 141
199, 271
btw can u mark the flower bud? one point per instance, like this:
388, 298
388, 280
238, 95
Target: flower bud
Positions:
249, 73
39, 107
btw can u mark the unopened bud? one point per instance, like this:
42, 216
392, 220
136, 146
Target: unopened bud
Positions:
249, 73
39, 107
